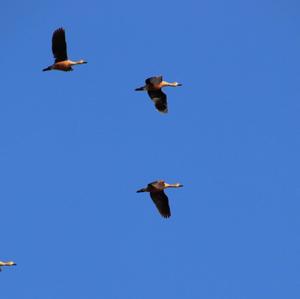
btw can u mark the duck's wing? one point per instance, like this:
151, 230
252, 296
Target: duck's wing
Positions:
161, 201
160, 100
59, 46
154, 80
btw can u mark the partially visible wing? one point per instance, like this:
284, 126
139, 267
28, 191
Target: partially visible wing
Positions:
59, 46
161, 201
160, 100
154, 80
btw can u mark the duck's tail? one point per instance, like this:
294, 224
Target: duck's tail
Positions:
140, 88
49, 68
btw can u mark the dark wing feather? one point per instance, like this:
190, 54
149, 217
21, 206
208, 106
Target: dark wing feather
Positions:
59, 46
161, 201
160, 100
154, 80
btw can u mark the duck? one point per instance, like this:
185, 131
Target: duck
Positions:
7, 264
59, 49
154, 87
158, 196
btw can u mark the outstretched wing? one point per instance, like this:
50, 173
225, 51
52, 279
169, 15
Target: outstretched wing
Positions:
154, 80
59, 46
160, 100
161, 201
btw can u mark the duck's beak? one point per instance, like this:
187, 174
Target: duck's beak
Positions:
179, 84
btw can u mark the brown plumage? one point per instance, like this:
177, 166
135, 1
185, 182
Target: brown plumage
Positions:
59, 49
153, 87
160, 199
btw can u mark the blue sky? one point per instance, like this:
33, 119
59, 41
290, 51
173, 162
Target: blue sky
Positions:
76, 146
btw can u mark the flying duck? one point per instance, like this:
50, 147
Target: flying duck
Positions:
160, 199
153, 87
59, 49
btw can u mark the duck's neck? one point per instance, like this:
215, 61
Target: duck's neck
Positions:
172, 185
3, 264
77, 62
7, 263
165, 83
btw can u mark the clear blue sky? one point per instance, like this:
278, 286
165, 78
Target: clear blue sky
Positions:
74, 148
